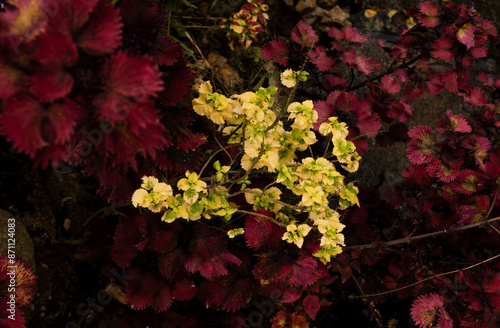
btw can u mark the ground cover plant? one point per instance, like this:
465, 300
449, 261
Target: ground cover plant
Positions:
237, 204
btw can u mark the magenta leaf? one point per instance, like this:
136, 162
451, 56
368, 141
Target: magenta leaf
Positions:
277, 51
304, 35
321, 60
389, 84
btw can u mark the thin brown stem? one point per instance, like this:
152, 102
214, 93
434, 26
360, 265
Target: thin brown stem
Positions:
263, 216
432, 277
407, 240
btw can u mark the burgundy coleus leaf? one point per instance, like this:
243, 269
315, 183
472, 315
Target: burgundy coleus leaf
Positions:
445, 171
291, 294
443, 49
479, 52
71, 16
102, 33
140, 133
321, 60
400, 109
389, 84
486, 281
304, 35
325, 110
165, 51
311, 305
171, 262
56, 50
368, 122
422, 147
333, 81
261, 233
10, 79
277, 51
430, 14
24, 283
466, 35
163, 297
468, 182
162, 236
32, 126
476, 97
413, 91
132, 76
304, 271
273, 266
434, 83
126, 237
208, 253
140, 291
184, 290
229, 293
453, 122
50, 85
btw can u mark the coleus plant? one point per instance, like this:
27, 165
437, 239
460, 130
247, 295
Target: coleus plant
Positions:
86, 84
453, 180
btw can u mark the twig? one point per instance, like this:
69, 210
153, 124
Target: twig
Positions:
263, 216
432, 277
364, 296
409, 239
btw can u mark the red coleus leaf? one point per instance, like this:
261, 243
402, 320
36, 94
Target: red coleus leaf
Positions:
277, 51
32, 126
450, 81
468, 214
311, 305
476, 97
16, 320
50, 85
229, 293
273, 266
208, 253
434, 83
176, 82
321, 60
140, 132
400, 109
479, 52
453, 122
421, 149
442, 49
389, 84
466, 35
430, 14
261, 233
132, 76
102, 33
163, 297
55, 50
447, 172
484, 78
353, 60
291, 294
486, 281
352, 35
486, 26
304, 35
